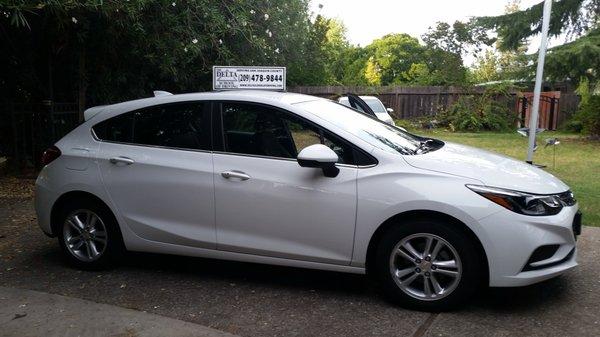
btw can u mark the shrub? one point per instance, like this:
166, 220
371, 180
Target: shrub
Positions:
573, 126
486, 111
589, 116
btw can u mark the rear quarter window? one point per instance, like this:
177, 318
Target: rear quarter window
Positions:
116, 129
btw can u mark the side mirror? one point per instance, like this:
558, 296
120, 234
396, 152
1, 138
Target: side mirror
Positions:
389, 110
319, 156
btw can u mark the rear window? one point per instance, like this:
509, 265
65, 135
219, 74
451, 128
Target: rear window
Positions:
180, 125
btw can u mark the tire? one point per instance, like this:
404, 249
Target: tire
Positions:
411, 283
90, 244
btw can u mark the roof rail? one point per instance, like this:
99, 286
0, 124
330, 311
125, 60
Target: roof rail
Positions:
161, 93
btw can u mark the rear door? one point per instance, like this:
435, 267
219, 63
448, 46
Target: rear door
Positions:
157, 166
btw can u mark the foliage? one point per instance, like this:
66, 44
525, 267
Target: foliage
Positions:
487, 68
456, 39
589, 116
445, 68
480, 112
498, 64
577, 19
573, 125
121, 50
401, 59
391, 57
571, 16
575, 60
584, 92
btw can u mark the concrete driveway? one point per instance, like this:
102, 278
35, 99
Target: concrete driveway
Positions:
258, 300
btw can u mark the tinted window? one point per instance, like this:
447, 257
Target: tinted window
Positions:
180, 125
116, 129
184, 126
259, 130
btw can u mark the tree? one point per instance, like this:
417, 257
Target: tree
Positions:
115, 50
391, 57
446, 68
577, 19
487, 68
496, 65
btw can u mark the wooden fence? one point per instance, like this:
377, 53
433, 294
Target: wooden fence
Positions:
412, 102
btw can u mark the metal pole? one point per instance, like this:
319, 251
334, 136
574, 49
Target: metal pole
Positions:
533, 119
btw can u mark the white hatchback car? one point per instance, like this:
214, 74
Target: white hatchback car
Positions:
296, 180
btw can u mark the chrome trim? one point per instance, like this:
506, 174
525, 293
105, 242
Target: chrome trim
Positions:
285, 159
146, 145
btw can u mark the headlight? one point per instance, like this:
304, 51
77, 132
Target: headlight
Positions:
525, 203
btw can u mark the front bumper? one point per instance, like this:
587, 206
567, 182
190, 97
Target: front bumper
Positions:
513, 238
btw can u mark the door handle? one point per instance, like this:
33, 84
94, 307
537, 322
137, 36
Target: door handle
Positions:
235, 174
121, 160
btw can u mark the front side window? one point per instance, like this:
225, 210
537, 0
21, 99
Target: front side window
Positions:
379, 134
264, 131
178, 125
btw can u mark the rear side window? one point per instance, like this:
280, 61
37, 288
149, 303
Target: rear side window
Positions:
179, 125
117, 129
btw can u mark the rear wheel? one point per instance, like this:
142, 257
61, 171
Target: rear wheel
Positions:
428, 265
89, 235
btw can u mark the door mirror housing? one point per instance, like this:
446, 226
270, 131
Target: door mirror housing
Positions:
389, 110
319, 156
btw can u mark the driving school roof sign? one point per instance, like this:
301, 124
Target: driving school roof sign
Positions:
264, 78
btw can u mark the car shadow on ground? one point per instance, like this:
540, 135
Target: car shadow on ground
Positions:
256, 274
168, 267
522, 299
494, 299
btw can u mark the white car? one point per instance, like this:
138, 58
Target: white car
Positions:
295, 180
375, 106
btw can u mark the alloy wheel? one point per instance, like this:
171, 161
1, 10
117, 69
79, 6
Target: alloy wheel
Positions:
425, 266
85, 235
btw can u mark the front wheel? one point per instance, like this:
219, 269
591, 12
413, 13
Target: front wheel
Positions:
428, 265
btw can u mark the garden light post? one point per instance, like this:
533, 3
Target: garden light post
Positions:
533, 119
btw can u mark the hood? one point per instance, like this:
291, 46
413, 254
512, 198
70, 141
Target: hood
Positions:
490, 168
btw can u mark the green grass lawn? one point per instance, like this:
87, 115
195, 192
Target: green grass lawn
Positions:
577, 161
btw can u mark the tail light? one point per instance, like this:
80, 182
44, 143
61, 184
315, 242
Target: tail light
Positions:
49, 155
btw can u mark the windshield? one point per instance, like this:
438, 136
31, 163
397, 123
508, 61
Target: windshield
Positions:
371, 130
375, 105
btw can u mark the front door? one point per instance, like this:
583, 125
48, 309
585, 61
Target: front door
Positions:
266, 204
157, 168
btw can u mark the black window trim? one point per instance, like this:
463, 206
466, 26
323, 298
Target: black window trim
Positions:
217, 112
206, 108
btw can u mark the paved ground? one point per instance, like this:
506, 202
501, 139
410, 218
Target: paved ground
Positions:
256, 300
31, 313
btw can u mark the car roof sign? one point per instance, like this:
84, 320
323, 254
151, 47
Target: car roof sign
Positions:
249, 77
